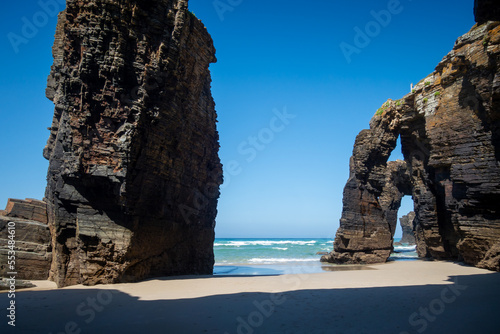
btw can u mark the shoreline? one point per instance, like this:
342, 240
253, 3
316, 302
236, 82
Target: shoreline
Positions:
290, 268
381, 299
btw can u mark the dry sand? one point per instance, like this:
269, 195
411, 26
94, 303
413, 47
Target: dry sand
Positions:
398, 297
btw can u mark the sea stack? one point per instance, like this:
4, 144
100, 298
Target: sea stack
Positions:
408, 228
449, 126
134, 172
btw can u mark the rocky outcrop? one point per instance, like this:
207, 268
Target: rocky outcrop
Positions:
30, 209
408, 227
370, 210
25, 223
450, 133
134, 172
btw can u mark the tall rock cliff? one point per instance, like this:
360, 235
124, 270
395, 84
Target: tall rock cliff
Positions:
450, 132
134, 172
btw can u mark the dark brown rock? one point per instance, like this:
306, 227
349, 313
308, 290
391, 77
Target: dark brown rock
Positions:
371, 201
33, 251
134, 172
408, 227
486, 10
33, 254
450, 133
492, 258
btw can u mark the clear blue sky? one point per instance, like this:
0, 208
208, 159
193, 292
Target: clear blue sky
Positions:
284, 175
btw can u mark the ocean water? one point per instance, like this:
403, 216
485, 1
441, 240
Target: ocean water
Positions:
404, 252
281, 256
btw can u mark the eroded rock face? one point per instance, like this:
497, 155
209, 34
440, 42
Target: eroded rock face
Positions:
370, 209
29, 209
450, 133
134, 172
408, 228
33, 251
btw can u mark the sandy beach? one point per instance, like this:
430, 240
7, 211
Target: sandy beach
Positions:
397, 297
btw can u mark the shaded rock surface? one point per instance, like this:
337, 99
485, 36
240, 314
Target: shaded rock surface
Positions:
33, 251
134, 172
5, 284
486, 10
370, 213
450, 133
408, 227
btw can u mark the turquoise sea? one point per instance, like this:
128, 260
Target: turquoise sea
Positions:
267, 256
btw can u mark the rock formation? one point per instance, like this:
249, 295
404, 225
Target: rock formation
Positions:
486, 10
29, 209
370, 214
408, 228
134, 172
450, 133
32, 239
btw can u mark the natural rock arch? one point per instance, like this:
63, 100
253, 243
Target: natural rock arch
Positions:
450, 136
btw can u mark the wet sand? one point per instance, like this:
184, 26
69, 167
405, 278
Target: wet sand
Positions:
397, 297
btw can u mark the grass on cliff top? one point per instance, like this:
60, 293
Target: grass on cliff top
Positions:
382, 109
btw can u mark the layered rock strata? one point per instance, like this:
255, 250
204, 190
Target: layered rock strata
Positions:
30, 209
449, 127
27, 220
134, 173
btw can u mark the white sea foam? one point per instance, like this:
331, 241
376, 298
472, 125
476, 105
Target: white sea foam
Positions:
279, 260
405, 248
404, 255
280, 248
241, 243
